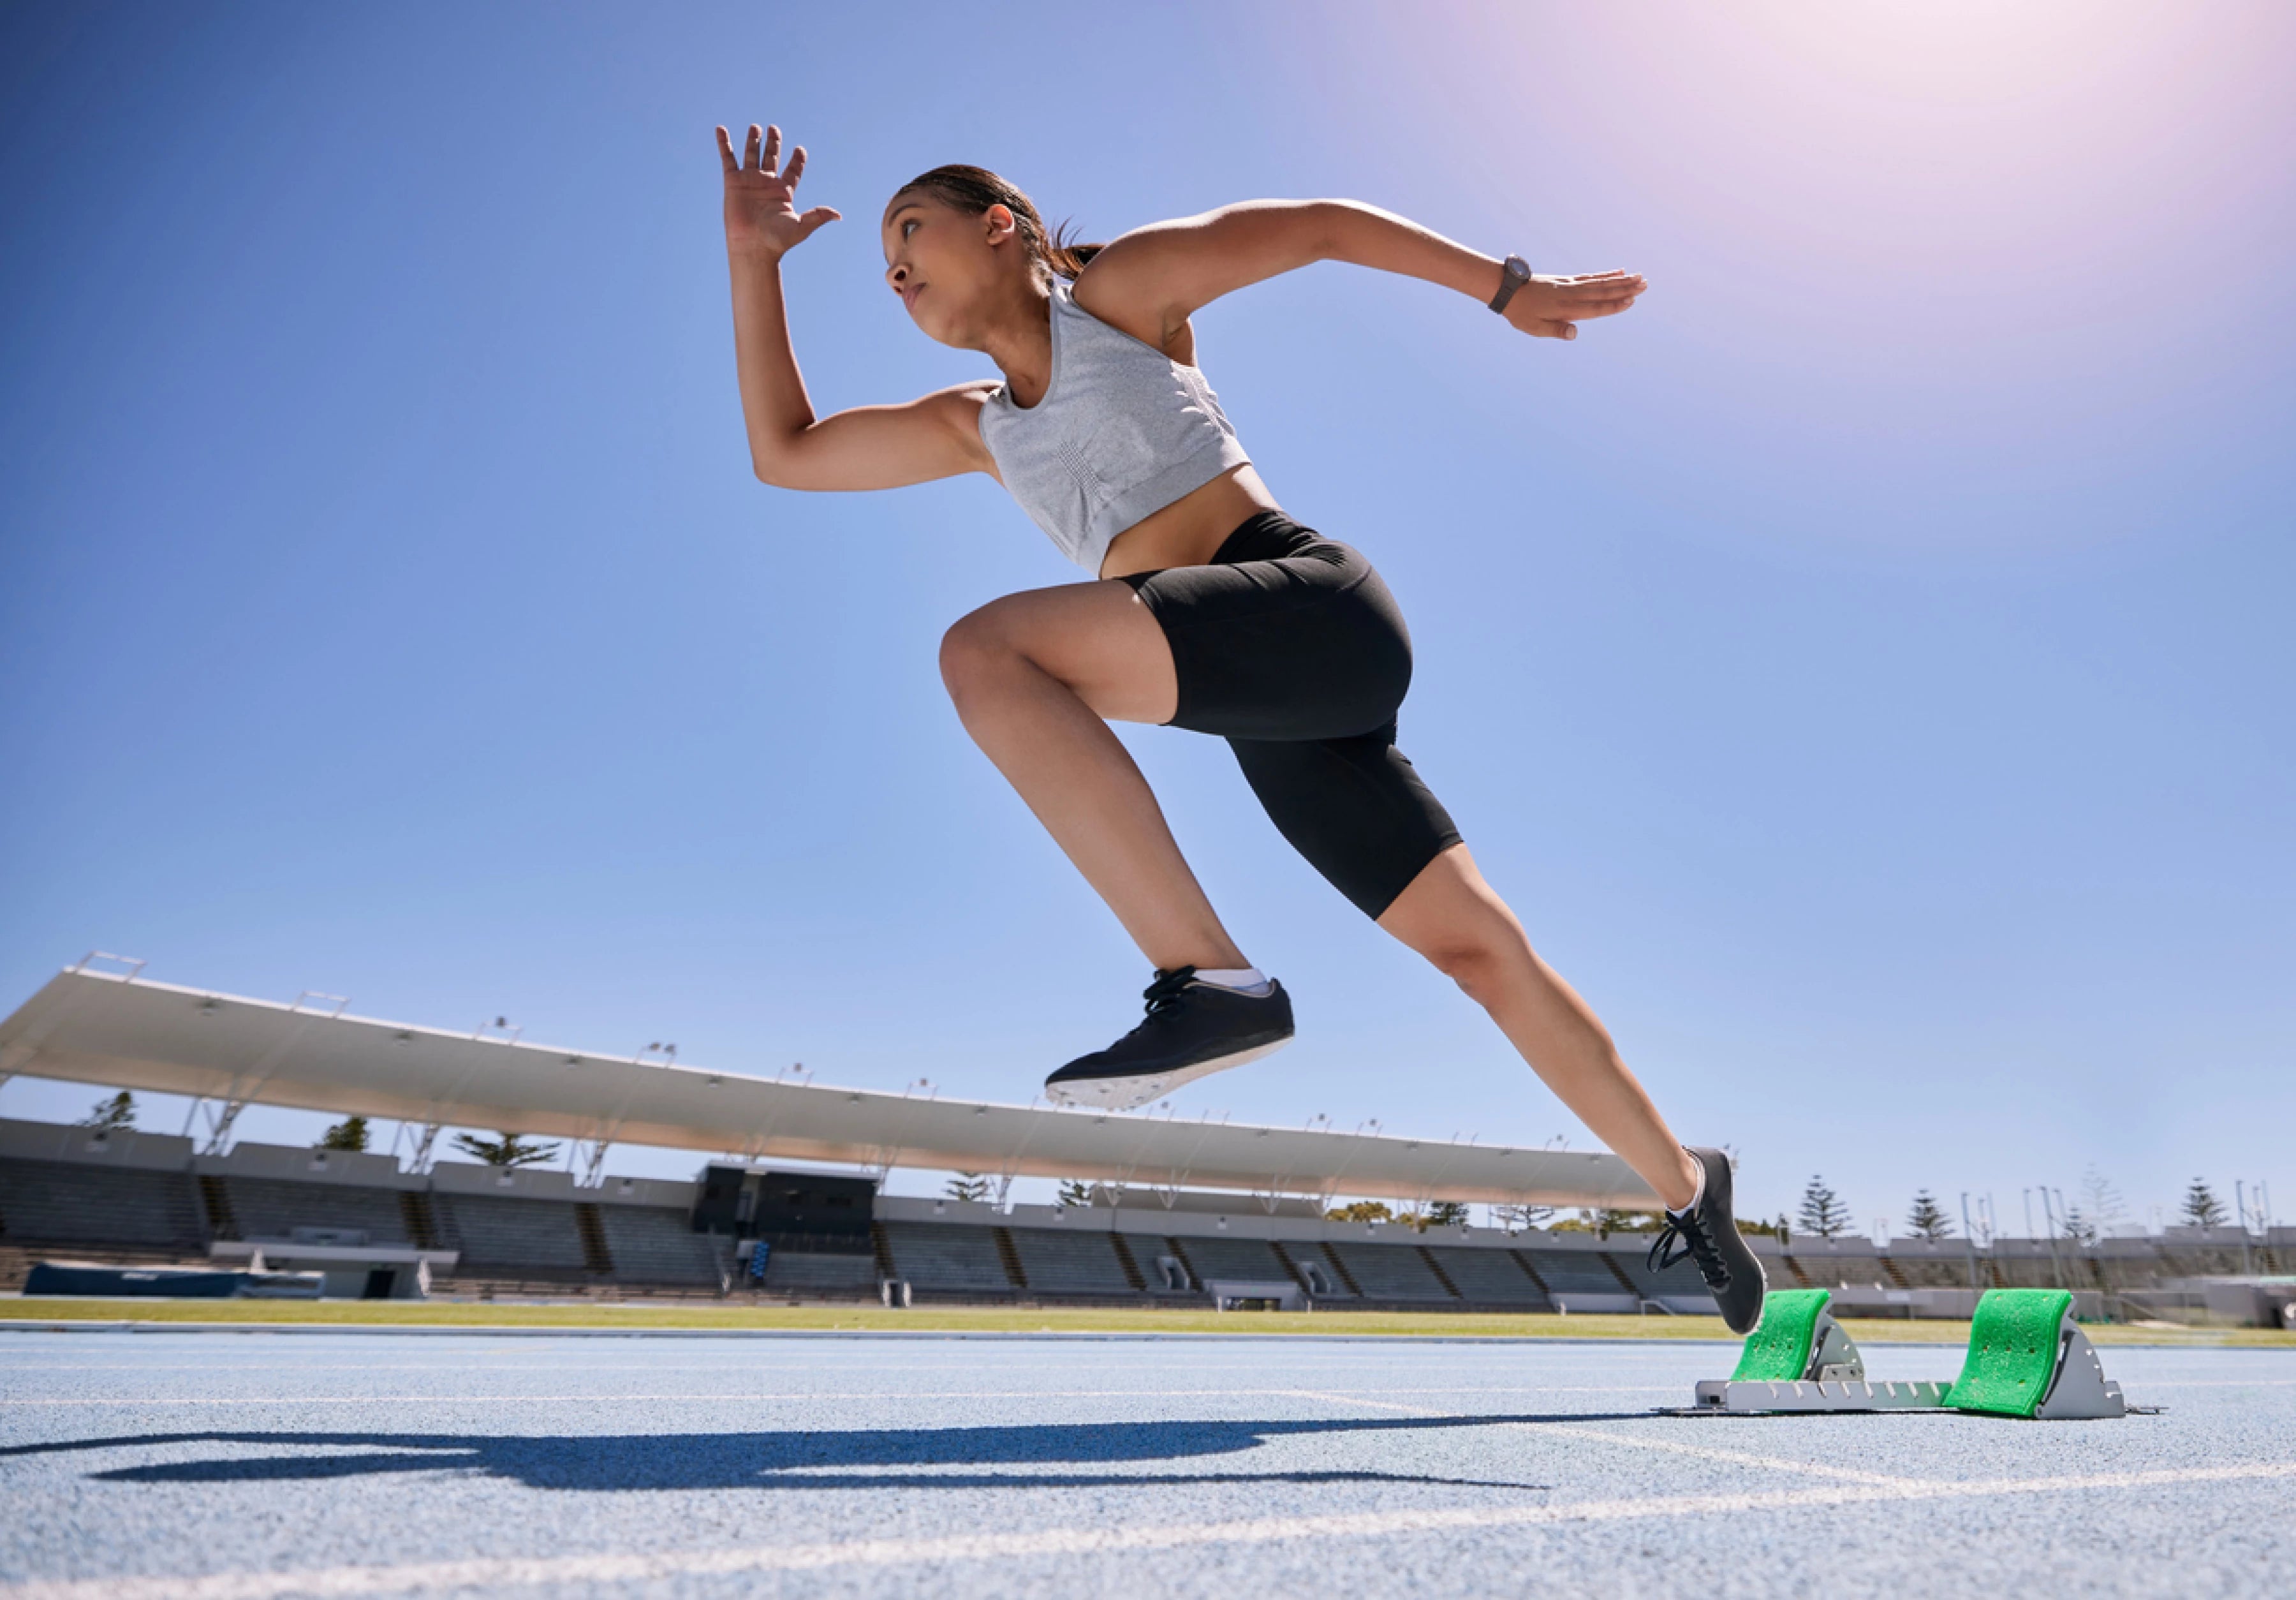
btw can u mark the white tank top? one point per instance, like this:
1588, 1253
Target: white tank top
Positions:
1122, 430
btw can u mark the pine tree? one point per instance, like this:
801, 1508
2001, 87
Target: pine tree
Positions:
968, 1187
2203, 1208
1445, 1213
1822, 1211
1927, 1219
349, 1134
508, 1152
115, 1115
1075, 1191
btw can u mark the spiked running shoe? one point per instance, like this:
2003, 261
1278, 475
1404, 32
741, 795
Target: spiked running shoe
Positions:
1191, 1030
1708, 1235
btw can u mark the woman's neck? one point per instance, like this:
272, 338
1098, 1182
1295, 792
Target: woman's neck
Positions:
1019, 339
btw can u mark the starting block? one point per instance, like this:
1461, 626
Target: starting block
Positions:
2026, 1357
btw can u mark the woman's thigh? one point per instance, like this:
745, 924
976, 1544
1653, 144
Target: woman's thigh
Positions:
1097, 638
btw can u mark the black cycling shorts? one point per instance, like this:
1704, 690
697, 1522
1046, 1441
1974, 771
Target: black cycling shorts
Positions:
1290, 647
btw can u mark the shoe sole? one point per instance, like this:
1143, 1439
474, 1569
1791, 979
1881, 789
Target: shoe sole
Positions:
1125, 1093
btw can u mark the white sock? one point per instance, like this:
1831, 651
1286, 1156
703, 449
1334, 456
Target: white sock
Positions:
1243, 980
1696, 1194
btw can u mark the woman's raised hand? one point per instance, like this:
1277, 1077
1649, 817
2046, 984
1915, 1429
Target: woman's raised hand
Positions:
762, 211
1550, 307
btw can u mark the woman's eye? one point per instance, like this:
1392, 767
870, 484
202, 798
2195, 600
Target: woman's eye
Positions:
906, 228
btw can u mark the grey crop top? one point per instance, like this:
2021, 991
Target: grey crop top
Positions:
1122, 430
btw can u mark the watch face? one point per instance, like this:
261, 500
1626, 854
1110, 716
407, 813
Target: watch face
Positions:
1518, 268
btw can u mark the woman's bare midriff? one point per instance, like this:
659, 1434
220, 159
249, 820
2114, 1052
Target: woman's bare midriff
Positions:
1190, 529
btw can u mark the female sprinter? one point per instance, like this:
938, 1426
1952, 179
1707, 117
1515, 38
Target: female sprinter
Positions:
1211, 610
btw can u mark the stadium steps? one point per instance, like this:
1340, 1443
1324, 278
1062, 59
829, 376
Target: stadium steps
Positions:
882, 1249
595, 1255
1187, 1264
414, 1217
1010, 1257
1339, 1266
1619, 1273
216, 1198
1131, 1268
1895, 1274
1801, 1279
1530, 1272
1290, 1267
1441, 1277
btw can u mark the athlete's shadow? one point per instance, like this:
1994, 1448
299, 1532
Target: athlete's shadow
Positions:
839, 1458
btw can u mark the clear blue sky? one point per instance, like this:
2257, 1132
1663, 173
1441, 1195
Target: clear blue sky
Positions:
1867, 666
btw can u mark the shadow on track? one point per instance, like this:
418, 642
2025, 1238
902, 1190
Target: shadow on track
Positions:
836, 1459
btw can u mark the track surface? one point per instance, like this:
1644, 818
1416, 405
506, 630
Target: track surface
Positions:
252, 1466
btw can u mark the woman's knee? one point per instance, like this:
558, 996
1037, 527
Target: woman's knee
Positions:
974, 652
1483, 955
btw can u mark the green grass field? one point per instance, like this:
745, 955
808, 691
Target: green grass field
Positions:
995, 1319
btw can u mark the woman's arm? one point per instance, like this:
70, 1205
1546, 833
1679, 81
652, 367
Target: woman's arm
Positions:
870, 447
1155, 277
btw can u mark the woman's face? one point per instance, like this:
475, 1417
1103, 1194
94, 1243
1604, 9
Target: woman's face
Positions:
949, 268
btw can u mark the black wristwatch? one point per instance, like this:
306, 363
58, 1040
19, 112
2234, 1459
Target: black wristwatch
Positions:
1512, 276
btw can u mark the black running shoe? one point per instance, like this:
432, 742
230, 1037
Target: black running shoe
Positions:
1191, 1030
1709, 1235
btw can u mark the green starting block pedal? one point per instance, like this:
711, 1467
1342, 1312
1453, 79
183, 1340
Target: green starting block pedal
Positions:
2026, 1357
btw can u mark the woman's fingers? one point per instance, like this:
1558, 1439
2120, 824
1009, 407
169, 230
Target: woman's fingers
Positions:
770, 162
749, 149
796, 166
725, 151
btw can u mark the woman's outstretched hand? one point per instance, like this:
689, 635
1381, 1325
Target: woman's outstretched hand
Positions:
1547, 308
761, 212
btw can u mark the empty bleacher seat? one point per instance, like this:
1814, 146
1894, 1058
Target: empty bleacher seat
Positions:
655, 1244
1390, 1272
65, 1202
1250, 1259
271, 1207
492, 1232
795, 1272
1679, 1282
1080, 1262
1490, 1275
1573, 1272
945, 1256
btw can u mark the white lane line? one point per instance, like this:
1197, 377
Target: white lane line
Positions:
720, 1396
489, 1574
1672, 1447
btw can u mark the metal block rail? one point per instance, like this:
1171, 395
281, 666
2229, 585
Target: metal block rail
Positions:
2026, 1357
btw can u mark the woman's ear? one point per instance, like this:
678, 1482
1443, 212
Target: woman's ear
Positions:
1002, 225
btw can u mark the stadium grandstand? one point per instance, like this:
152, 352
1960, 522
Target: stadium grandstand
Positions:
1180, 1213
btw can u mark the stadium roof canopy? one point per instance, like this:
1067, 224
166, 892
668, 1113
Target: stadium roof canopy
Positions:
126, 1031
